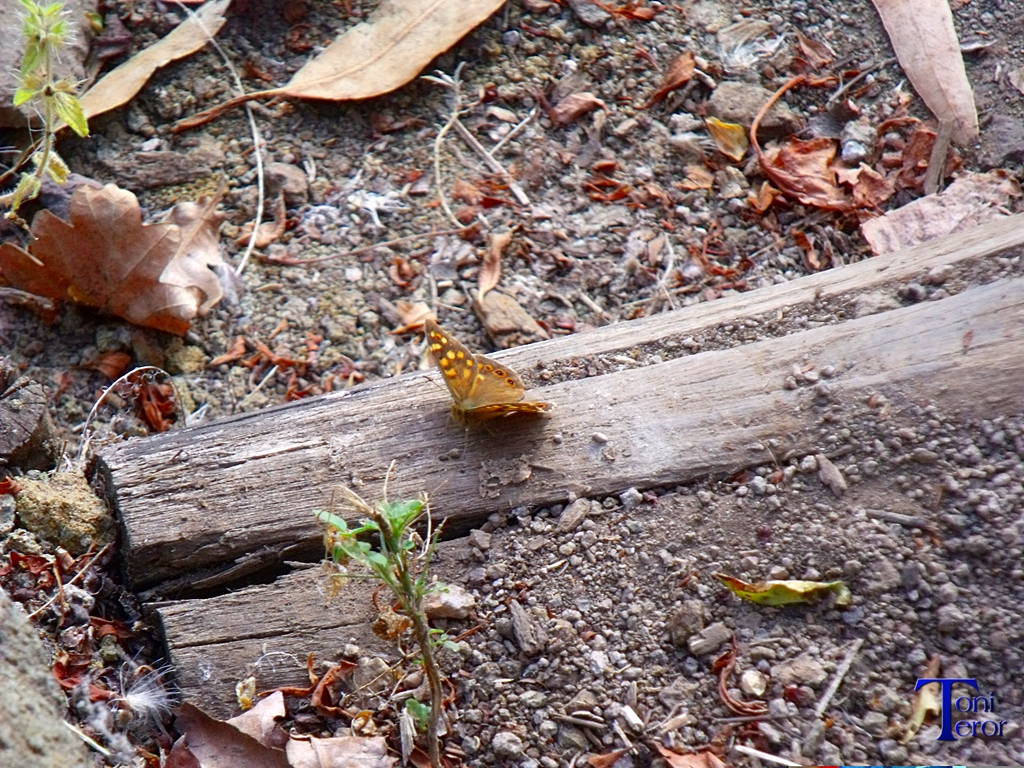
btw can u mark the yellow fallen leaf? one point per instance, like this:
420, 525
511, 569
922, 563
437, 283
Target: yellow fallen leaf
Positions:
730, 138
786, 592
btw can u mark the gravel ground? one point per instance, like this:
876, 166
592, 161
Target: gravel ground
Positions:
621, 595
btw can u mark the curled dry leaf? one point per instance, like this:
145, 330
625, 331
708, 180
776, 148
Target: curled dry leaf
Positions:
490, 270
158, 275
269, 231
121, 84
217, 744
574, 106
678, 74
925, 42
339, 752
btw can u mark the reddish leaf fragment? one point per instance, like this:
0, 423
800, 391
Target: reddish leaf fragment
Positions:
154, 403
233, 355
218, 744
104, 627
9, 486
679, 73
321, 698
724, 665
607, 760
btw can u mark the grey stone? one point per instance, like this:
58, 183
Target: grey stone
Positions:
289, 180
799, 671
480, 539
709, 639
453, 602
734, 102
880, 577
31, 731
589, 13
507, 744
631, 498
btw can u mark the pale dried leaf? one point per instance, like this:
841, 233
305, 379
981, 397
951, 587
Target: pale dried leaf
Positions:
678, 74
389, 50
261, 722
925, 42
339, 752
926, 703
155, 275
121, 84
964, 204
490, 270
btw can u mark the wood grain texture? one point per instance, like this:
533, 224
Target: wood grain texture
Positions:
208, 495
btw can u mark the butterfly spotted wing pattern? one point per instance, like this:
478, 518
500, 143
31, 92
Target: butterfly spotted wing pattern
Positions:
481, 388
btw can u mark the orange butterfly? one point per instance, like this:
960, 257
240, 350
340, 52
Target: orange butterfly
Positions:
481, 388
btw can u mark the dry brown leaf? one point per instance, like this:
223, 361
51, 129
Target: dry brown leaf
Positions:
817, 54
269, 231
121, 84
679, 73
925, 42
607, 760
216, 744
261, 722
693, 760
490, 270
389, 50
870, 188
697, 177
574, 106
803, 169
157, 275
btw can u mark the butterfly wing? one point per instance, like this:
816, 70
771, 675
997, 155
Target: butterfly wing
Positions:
482, 388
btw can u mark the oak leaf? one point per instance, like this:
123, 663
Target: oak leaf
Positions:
158, 275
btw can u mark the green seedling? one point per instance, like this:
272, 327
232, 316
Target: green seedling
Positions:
55, 100
384, 546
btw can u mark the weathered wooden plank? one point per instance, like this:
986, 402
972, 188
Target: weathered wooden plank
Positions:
207, 495
264, 630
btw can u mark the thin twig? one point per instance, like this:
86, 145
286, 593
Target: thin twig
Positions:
88, 739
837, 678
514, 132
864, 73
452, 83
259, 386
937, 159
491, 163
257, 141
750, 751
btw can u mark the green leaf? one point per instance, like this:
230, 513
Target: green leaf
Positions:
34, 56
22, 95
332, 520
69, 109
